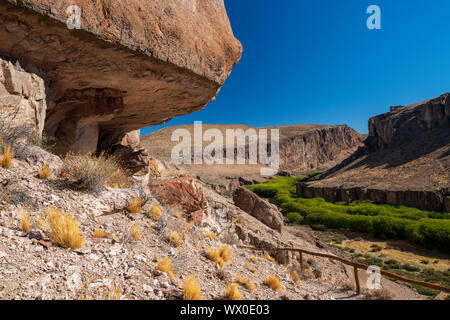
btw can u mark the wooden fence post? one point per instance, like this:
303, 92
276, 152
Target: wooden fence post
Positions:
358, 286
301, 262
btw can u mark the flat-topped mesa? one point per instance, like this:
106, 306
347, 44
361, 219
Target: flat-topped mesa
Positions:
132, 64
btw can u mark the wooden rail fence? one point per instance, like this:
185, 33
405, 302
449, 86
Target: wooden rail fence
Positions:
355, 266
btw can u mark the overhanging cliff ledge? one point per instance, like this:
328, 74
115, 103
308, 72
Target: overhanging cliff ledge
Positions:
132, 64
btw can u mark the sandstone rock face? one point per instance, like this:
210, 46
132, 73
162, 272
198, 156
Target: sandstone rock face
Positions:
184, 192
258, 208
318, 149
22, 96
404, 124
131, 64
405, 161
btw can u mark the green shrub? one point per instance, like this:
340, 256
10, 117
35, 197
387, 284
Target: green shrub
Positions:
294, 217
424, 228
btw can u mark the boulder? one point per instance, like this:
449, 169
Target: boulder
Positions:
185, 192
258, 208
22, 98
36, 156
129, 65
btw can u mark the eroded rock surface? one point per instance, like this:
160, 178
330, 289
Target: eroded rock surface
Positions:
259, 208
405, 161
132, 64
22, 97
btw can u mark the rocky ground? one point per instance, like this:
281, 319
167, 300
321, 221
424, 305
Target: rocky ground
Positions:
119, 267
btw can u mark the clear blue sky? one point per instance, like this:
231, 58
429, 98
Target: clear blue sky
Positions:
315, 61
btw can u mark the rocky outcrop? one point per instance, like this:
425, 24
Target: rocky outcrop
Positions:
22, 97
404, 124
184, 192
258, 208
318, 149
131, 64
424, 200
405, 161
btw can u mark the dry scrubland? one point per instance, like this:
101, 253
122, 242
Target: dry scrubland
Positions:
65, 237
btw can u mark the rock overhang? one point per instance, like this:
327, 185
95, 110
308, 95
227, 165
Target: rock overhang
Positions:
131, 65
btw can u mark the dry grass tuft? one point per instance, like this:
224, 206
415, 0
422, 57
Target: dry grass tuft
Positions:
165, 265
269, 258
155, 213
210, 235
232, 293
25, 221
40, 223
6, 158
273, 282
63, 229
135, 205
99, 233
114, 294
254, 259
135, 232
248, 283
295, 277
225, 253
92, 173
177, 214
220, 256
191, 289
44, 172
174, 238
250, 268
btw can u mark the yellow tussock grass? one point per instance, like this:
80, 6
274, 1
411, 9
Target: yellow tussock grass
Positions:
191, 289
232, 293
115, 293
155, 213
6, 158
63, 229
25, 221
44, 172
40, 223
267, 257
177, 214
174, 238
295, 277
225, 253
135, 232
99, 233
210, 235
135, 205
220, 256
250, 268
273, 282
246, 282
254, 259
165, 265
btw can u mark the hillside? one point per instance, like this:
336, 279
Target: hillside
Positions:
120, 265
303, 148
405, 160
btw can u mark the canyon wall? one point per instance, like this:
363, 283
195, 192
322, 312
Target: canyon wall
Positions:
318, 149
405, 161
